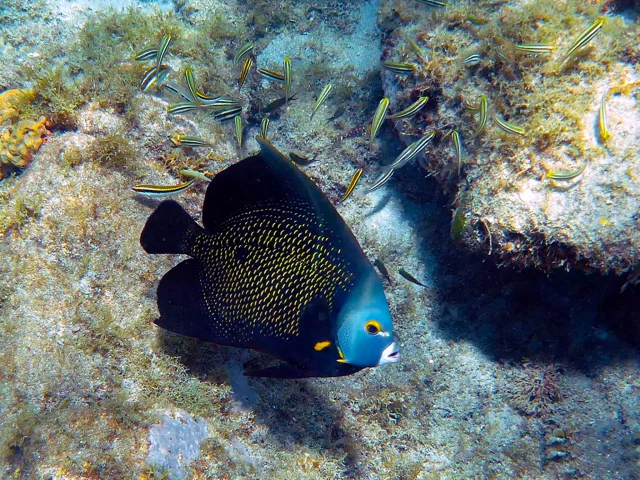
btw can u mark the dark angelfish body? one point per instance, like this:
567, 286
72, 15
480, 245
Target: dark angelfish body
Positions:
274, 269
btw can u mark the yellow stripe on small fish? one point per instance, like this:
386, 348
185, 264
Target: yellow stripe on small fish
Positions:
378, 117
162, 50
381, 180
354, 181
412, 109
237, 120
187, 172
162, 190
242, 51
287, 78
508, 127
271, 75
321, 98
584, 38
566, 175
603, 123
455, 136
264, 126
535, 48
400, 67
245, 71
191, 83
484, 114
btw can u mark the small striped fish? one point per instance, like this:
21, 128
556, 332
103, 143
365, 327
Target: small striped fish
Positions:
418, 51
471, 107
242, 51
162, 190
455, 136
245, 71
179, 140
535, 48
603, 123
191, 83
237, 120
177, 89
484, 113
472, 60
584, 38
148, 54
476, 20
379, 117
400, 67
352, 185
264, 126
162, 50
508, 127
271, 75
227, 113
182, 107
321, 98
154, 77
412, 151
381, 180
566, 175
287, 78
187, 172
434, 3
412, 109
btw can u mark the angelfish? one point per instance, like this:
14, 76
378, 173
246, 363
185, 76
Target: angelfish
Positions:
273, 268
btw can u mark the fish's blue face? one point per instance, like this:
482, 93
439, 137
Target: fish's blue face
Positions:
365, 330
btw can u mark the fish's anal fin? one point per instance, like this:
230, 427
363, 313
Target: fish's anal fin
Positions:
285, 371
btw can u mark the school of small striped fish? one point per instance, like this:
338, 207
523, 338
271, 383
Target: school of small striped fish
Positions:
222, 107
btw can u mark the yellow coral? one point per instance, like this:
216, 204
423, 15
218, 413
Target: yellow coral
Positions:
19, 140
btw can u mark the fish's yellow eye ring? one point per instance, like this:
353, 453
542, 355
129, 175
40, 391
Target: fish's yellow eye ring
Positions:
372, 327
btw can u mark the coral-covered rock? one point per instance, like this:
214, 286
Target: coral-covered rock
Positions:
22, 137
508, 200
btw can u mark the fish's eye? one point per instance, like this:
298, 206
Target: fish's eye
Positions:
372, 327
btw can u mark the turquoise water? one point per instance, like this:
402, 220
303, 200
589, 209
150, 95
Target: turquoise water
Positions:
518, 347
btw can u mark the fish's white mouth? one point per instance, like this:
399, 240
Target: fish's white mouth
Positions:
389, 355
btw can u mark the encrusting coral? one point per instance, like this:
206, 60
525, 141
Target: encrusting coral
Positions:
22, 137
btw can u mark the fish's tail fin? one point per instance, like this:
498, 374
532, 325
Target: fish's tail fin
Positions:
169, 229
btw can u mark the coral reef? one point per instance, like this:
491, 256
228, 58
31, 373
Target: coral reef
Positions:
88, 382
506, 203
21, 137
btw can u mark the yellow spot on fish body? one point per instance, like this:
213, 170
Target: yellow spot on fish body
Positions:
321, 345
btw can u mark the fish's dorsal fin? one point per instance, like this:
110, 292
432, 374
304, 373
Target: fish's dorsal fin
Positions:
266, 178
269, 179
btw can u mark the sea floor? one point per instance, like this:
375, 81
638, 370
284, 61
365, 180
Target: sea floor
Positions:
504, 373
